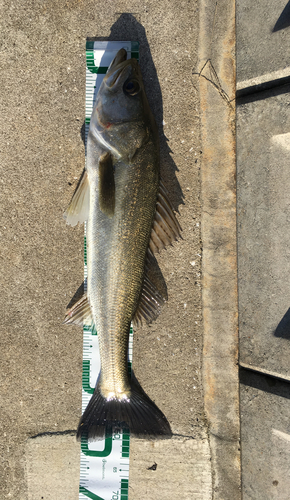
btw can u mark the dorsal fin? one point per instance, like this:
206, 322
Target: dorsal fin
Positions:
106, 184
166, 228
80, 313
153, 294
78, 209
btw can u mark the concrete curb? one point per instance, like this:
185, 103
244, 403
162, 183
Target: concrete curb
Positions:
216, 72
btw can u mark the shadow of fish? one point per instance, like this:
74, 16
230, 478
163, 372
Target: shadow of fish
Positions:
129, 219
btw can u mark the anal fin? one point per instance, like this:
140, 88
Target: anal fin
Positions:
80, 313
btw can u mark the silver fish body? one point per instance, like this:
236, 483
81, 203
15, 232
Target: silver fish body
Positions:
123, 178
116, 258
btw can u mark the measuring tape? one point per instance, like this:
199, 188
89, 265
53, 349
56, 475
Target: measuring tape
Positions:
104, 468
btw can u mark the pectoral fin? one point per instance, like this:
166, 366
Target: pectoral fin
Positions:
106, 185
78, 209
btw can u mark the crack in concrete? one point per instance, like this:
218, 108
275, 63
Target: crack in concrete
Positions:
73, 432
56, 433
214, 80
183, 436
223, 438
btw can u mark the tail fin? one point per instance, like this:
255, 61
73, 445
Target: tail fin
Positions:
139, 414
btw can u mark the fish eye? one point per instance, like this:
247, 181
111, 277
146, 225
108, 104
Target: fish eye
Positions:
131, 87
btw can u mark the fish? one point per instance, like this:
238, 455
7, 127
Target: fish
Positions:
129, 219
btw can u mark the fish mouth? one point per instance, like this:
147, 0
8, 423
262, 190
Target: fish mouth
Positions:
120, 57
118, 67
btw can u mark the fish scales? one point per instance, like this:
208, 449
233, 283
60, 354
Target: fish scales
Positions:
116, 256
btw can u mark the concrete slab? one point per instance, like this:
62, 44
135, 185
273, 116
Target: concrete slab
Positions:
216, 73
263, 155
42, 110
262, 35
265, 432
52, 467
165, 464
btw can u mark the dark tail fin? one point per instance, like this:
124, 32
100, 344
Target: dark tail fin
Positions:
139, 414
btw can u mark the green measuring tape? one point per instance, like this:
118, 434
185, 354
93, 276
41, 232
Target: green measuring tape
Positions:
104, 467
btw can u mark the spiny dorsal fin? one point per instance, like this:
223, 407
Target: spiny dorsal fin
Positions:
153, 294
78, 209
166, 228
80, 313
106, 185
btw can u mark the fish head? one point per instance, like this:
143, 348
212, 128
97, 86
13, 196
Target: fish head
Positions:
121, 97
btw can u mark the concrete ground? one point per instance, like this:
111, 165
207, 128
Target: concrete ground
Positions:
263, 144
186, 360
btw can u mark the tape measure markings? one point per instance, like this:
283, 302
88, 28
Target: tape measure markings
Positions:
104, 467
